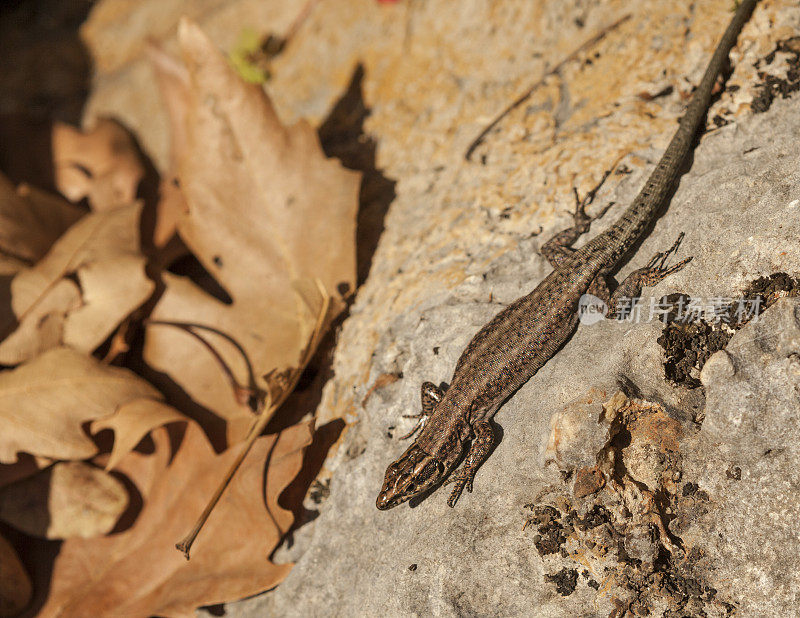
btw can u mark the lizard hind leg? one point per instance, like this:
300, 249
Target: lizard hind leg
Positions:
655, 271
482, 445
431, 395
558, 249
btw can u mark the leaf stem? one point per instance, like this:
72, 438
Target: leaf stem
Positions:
266, 409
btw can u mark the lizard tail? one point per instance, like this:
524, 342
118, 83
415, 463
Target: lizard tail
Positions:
658, 188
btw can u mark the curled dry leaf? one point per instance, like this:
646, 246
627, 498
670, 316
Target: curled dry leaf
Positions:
44, 403
268, 215
50, 309
139, 573
30, 222
101, 164
70, 499
15, 584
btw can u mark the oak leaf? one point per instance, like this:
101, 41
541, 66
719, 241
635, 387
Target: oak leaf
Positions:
138, 572
44, 403
69, 499
102, 251
269, 215
133, 421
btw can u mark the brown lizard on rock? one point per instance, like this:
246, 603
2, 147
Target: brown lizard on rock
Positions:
520, 339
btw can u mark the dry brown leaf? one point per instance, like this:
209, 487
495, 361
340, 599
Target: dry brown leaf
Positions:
15, 584
101, 164
42, 327
139, 573
30, 222
8, 266
170, 208
102, 250
173, 82
43, 403
132, 422
175, 87
268, 215
70, 499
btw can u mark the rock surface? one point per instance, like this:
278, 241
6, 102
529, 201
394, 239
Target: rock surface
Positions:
746, 458
627, 515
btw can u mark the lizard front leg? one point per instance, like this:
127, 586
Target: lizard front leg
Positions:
655, 271
431, 395
559, 249
482, 445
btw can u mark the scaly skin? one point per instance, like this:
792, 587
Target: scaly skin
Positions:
512, 347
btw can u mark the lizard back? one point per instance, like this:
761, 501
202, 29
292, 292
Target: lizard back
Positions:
521, 338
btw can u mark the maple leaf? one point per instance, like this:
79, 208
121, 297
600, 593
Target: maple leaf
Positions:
138, 572
173, 83
268, 216
102, 251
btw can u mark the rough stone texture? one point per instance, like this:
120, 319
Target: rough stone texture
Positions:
460, 241
573, 441
746, 459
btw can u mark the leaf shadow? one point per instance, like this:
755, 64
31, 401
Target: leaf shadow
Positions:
44, 78
342, 136
37, 556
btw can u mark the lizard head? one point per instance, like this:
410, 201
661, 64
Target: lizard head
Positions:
414, 473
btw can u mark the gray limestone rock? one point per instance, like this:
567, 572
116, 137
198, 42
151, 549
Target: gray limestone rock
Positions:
753, 387
746, 460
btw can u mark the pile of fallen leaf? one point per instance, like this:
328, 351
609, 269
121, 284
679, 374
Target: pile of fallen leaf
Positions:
95, 315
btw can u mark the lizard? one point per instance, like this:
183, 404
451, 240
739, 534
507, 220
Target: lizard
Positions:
455, 423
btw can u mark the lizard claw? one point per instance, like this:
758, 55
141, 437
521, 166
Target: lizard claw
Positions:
660, 258
456, 493
420, 425
462, 480
657, 264
580, 219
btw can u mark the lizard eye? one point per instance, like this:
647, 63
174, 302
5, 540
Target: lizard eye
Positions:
393, 471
